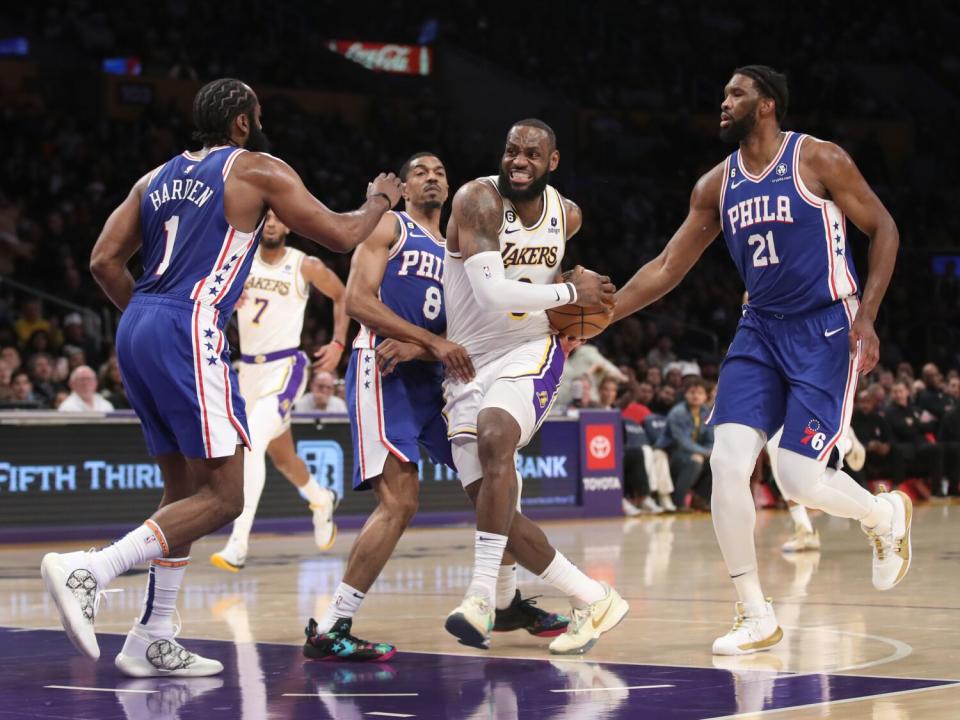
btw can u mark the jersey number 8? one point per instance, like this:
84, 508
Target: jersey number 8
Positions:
432, 303
766, 251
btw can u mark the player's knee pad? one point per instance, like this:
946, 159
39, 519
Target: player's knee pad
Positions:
798, 476
466, 458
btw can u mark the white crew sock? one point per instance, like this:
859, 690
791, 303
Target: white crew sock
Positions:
572, 582
345, 604
749, 592
801, 519
313, 493
160, 598
137, 546
487, 555
506, 586
880, 515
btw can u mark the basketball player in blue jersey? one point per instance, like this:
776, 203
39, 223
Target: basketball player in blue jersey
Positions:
395, 291
196, 220
781, 201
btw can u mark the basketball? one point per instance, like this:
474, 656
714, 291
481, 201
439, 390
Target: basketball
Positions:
579, 322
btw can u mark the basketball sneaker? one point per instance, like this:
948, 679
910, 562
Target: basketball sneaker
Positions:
751, 632
666, 503
339, 644
587, 624
802, 541
232, 558
471, 622
524, 615
145, 654
74, 590
891, 549
324, 529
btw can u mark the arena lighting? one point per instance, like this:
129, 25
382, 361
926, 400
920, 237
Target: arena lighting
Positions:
122, 66
386, 57
15, 46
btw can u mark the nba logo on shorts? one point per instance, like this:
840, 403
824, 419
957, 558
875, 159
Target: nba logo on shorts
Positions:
324, 458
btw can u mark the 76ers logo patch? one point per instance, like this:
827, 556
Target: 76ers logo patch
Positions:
812, 436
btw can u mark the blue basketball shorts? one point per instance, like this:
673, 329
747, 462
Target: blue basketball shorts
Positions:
175, 364
394, 415
797, 372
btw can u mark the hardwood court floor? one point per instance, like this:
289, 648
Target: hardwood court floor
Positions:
848, 651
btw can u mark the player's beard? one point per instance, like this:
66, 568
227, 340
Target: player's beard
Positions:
271, 244
532, 191
257, 142
738, 130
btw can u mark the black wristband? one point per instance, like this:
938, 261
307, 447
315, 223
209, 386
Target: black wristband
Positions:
384, 196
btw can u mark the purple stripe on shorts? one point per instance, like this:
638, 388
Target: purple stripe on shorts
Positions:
545, 386
288, 395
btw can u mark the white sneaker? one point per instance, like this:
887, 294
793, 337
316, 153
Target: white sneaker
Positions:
629, 509
232, 558
649, 505
750, 633
73, 588
891, 550
324, 529
801, 541
589, 623
666, 502
143, 656
472, 622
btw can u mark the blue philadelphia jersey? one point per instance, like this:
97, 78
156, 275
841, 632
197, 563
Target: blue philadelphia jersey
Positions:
190, 251
412, 283
789, 245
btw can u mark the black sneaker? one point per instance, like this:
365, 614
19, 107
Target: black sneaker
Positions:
523, 615
339, 644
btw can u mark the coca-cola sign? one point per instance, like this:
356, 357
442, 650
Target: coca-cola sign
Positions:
386, 57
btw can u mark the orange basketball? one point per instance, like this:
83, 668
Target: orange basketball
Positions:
578, 322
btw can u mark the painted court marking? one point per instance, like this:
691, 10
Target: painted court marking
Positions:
93, 689
611, 689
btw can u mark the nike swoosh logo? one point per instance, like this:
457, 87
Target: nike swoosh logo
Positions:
508, 232
599, 621
828, 333
557, 293
735, 185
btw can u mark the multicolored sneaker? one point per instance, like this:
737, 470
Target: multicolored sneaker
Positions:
524, 615
339, 644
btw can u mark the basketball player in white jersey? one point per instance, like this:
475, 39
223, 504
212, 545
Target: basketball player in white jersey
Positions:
505, 242
273, 374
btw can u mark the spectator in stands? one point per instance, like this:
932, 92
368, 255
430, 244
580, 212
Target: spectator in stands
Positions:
83, 393
664, 400
638, 407
875, 433
23, 395
674, 377
654, 376
636, 482
75, 357
75, 333
689, 441
933, 396
11, 356
6, 377
59, 398
609, 389
585, 360
913, 431
321, 397
41, 369
662, 353
111, 385
30, 321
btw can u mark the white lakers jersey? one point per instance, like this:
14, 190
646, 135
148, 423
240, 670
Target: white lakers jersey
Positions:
530, 254
271, 315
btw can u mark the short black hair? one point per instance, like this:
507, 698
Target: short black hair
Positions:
216, 105
771, 84
537, 123
408, 164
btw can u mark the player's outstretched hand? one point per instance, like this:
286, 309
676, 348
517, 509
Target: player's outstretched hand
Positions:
592, 289
391, 353
862, 332
327, 357
455, 358
388, 184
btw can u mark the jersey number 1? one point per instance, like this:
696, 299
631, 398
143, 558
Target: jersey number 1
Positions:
170, 231
764, 245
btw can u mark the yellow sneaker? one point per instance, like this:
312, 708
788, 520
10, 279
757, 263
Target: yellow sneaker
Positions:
589, 623
752, 632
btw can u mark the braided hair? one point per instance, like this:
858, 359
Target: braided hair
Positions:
216, 105
771, 84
